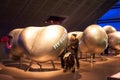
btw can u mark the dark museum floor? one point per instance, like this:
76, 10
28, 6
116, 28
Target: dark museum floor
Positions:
98, 70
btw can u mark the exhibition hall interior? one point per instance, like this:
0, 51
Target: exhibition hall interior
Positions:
60, 40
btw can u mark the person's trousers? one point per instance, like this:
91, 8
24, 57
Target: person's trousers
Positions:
77, 60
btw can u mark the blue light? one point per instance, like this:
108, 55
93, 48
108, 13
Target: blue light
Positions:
118, 3
112, 13
115, 25
112, 17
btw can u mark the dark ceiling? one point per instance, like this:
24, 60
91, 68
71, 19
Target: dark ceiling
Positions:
78, 13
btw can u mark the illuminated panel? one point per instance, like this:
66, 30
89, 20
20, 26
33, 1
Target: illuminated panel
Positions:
111, 14
118, 3
112, 17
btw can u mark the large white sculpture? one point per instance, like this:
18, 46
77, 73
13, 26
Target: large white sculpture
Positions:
113, 37
94, 40
16, 51
114, 40
109, 29
39, 43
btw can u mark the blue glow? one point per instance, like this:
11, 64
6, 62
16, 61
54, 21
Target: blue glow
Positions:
115, 25
113, 14
118, 3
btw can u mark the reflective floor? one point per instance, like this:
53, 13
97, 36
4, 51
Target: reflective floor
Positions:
98, 70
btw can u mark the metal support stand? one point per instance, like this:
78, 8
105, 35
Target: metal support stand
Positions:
53, 64
29, 66
40, 66
80, 55
101, 57
92, 57
20, 63
38, 63
86, 56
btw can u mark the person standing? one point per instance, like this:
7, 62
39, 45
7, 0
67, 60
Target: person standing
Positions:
74, 43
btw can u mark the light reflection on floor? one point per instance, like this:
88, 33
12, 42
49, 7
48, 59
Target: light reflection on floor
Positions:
98, 70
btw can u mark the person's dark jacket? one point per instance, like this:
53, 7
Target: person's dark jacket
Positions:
74, 44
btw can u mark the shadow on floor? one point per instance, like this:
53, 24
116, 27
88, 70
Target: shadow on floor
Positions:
24, 67
17, 73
